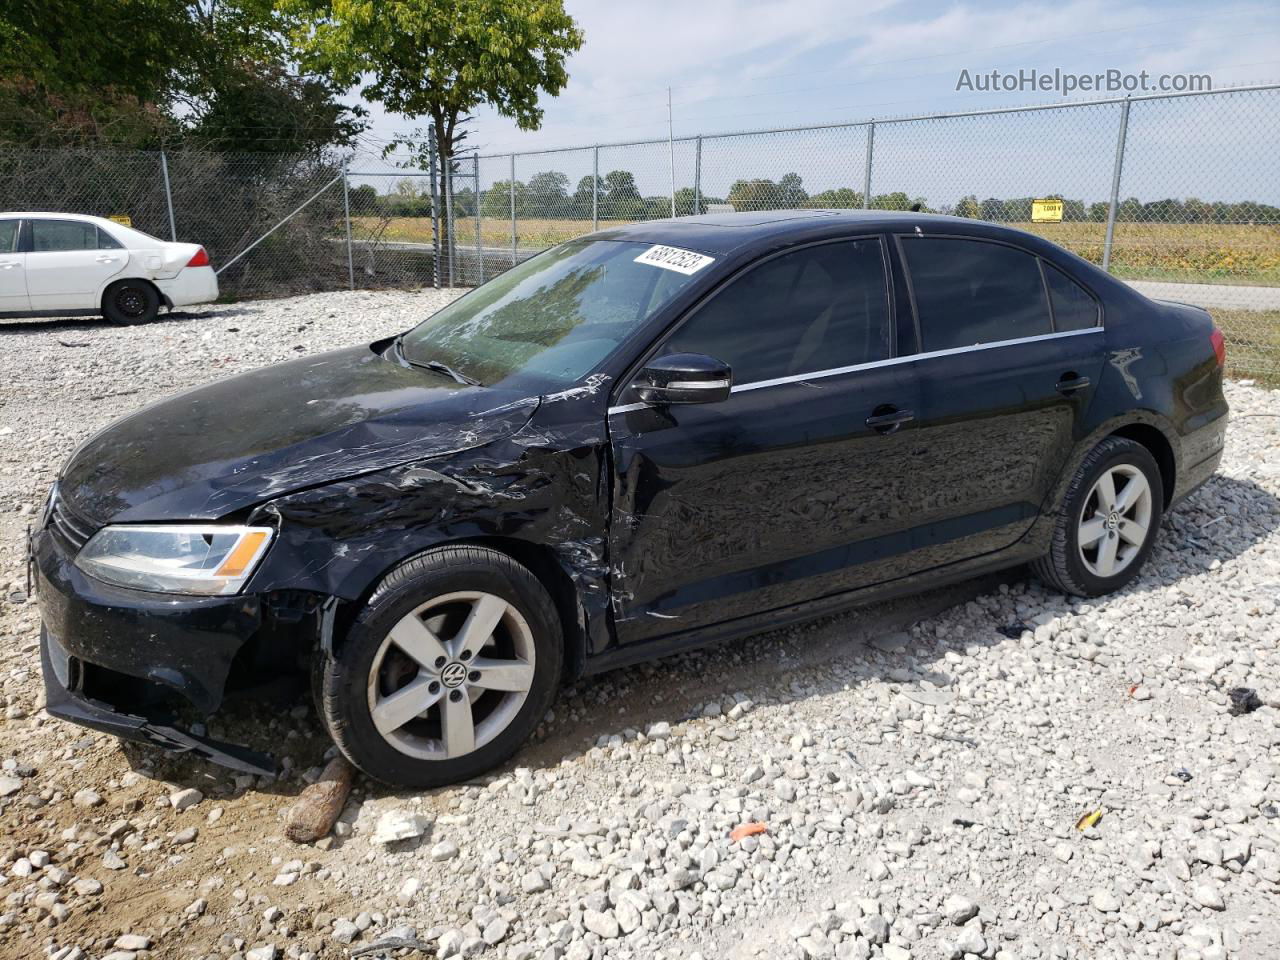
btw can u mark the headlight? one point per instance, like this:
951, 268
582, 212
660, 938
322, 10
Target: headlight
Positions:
212, 560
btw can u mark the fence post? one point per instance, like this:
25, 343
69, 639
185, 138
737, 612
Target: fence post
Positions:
435, 211
475, 173
346, 213
512, 185
1115, 186
168, 195
866, 176
697, 177
595, 188
446, 164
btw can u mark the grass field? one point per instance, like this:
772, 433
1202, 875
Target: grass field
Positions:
1253, 343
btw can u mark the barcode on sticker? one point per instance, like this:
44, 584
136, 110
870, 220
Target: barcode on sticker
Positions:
673, 258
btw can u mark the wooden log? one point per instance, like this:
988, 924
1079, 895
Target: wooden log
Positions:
313, 814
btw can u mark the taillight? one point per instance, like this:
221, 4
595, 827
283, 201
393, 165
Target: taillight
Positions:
201, 259
1219, 346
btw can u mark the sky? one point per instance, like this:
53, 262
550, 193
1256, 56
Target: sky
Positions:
737, 65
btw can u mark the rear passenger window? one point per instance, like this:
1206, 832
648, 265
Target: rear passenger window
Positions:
50, 235
9, 235
969, 292
107, 242
1073, 307
818, 308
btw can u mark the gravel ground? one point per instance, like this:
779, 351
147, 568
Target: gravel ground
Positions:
915, 775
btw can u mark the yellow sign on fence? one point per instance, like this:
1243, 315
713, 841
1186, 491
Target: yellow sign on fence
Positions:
127, 221
1046, 211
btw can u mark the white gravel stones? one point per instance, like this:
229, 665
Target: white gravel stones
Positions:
936, 774
444, 850
185, 799
959, 909
397, 825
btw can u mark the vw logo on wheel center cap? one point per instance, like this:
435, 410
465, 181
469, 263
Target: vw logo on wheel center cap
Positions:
453, 674
1113, 520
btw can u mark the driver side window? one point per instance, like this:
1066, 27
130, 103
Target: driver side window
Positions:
817, 308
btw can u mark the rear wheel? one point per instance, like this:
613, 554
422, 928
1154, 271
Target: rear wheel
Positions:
446, 671
130, 301
1108, 523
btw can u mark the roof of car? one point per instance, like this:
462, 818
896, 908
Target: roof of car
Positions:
720, 233
62, 215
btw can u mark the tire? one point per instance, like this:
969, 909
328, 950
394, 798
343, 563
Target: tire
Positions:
427, 604
128, 302
1077, 563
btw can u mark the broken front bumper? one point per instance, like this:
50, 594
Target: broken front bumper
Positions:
61, 670
113, 656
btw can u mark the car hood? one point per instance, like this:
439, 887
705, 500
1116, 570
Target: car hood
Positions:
229, 445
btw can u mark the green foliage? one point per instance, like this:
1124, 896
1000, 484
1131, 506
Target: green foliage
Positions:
146, 73
441, 58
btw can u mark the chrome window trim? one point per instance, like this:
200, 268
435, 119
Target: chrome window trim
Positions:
892, 361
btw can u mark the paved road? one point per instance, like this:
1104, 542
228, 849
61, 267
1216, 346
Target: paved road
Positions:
1212, 294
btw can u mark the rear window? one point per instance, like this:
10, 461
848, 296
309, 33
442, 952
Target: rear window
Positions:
48, 236
1073, 307
970, 292
9, 235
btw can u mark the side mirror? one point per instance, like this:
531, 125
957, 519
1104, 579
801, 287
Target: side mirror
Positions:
684, 378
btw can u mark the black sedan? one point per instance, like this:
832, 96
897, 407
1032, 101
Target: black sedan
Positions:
646, 439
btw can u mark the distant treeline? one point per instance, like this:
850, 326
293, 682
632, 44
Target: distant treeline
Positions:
547, 196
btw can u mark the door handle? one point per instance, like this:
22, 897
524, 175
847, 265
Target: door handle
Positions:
107, 259
888, 419
8, 264
1070, 383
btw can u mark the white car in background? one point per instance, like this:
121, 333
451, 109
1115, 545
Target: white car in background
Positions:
65, 264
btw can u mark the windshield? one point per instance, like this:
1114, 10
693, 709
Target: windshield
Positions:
548, 322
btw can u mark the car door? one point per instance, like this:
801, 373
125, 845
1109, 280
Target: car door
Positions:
791, 488
13, 275
69, 262
1005, 380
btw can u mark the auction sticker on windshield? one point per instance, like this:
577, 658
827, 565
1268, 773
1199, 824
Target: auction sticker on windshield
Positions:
673, 258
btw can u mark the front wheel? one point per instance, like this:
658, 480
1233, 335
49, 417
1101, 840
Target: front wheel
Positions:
129, 302
1108, 522
447, 670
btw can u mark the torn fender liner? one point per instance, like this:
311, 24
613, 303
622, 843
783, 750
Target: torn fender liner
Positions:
64, 704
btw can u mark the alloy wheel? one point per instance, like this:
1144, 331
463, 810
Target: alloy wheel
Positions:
451, 675
1115, 521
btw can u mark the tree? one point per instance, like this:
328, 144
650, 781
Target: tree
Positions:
759, 194
548, 195
584, 195
687, 204
791, 191
841, 198
146, 73
968, 207
440, 59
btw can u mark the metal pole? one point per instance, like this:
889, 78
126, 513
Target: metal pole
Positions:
866, 176
671, 150
435, 212
1115, 186
513, 209
595, 188
446, 164
475, 173
346, 212
168, 195
697, 176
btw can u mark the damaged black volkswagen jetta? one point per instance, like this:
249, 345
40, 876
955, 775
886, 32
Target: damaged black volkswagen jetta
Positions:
646, 439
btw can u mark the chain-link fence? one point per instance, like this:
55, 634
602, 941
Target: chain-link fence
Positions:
1179, 195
